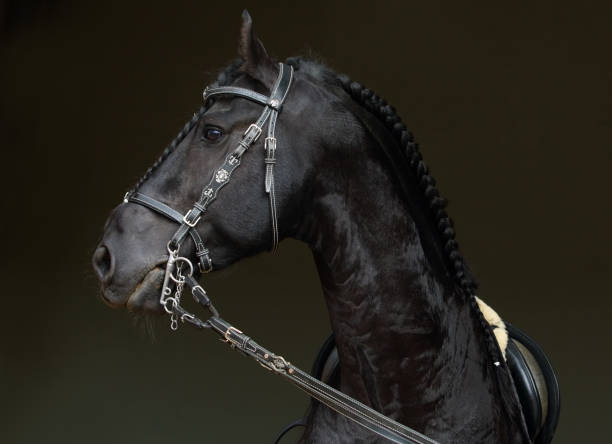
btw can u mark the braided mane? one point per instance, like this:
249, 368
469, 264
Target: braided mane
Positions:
436, 203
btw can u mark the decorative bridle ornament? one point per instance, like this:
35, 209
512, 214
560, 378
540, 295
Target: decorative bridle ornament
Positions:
179, 269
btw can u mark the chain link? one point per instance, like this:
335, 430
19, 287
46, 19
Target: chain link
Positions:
178, 268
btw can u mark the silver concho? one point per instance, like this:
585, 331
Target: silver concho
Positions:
221, 176
208, 192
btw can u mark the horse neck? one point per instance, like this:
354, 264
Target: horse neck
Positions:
410, 344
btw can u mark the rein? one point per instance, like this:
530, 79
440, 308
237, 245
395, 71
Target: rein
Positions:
179, 269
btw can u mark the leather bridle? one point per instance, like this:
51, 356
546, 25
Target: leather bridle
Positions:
222, 175
179, 269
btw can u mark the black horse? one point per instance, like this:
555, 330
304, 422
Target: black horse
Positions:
351, 184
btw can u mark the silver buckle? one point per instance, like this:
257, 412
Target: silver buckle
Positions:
270, 146
257, 129
208, 268
229, 339
186, 219
242, 345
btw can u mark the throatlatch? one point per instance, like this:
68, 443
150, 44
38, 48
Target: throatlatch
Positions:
179, 269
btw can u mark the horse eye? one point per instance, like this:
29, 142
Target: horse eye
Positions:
212, 134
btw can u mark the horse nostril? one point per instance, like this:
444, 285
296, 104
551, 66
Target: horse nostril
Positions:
103, 263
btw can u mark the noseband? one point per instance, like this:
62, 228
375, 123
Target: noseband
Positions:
179, 269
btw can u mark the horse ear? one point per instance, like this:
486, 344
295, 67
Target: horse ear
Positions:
257, 63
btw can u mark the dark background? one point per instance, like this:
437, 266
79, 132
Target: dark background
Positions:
511, 103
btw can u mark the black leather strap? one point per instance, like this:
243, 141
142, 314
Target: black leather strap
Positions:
235, 91
297, 423
281, 88
154, 205
200, 296
202, 253
277, 96
334, 399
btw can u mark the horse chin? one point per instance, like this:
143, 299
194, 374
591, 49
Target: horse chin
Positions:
145, 297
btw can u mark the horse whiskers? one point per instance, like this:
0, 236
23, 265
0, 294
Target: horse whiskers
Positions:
145, 322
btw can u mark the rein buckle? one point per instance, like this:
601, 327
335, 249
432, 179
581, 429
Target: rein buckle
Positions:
229, 339
242, 343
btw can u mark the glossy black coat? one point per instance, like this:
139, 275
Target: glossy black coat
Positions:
410, 344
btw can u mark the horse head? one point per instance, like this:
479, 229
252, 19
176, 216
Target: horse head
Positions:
130, 258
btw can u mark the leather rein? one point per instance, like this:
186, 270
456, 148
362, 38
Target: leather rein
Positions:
179, 269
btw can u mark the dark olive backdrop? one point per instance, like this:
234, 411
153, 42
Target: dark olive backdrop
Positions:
510, 102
